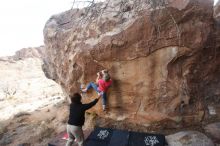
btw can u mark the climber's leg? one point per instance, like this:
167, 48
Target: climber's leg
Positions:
104, 100
89, 86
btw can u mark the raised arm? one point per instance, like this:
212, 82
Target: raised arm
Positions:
98, 77
91, 104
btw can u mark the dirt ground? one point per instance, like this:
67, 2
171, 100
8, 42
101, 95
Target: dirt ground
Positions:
34, 128
42, 126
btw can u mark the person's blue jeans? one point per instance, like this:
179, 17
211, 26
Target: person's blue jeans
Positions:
95, 87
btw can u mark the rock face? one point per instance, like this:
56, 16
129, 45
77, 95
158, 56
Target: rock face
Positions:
217, 10
217, 24
162, 57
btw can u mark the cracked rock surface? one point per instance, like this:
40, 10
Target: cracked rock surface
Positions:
164, 61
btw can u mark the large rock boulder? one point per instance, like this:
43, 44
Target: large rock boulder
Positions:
188, 138
214, 131
156, 53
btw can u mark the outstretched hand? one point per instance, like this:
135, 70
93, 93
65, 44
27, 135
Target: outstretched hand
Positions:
99, 95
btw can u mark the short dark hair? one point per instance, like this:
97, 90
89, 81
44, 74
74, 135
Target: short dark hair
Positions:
106, 77
76, 98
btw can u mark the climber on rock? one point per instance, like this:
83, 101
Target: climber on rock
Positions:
103, 82
77, 119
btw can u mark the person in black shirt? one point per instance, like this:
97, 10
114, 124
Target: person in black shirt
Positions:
77, 119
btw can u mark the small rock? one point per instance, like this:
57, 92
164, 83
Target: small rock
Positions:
188, 138
43, 123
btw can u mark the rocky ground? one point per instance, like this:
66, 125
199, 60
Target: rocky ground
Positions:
43, 125
34, 128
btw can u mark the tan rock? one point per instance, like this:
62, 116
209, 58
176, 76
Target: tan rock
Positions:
214, 130
188, 138
155, 57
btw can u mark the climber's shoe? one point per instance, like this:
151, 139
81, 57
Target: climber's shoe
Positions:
104, 107
82, 90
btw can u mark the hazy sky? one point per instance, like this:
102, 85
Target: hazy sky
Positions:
22, 22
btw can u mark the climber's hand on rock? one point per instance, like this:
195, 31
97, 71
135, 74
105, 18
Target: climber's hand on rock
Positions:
99, 95
99, 74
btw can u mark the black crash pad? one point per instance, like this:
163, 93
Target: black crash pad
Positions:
113, 137
146, 139
119, 137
